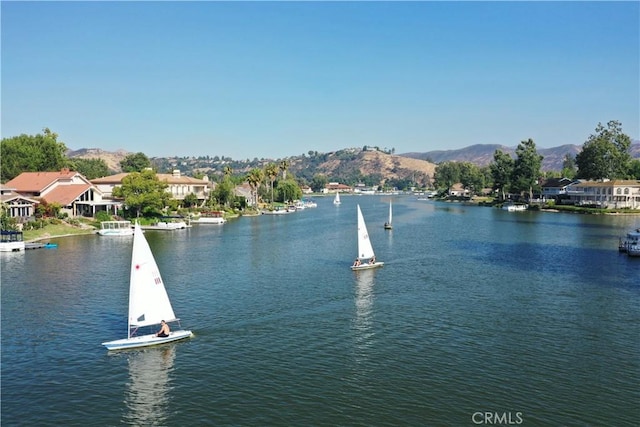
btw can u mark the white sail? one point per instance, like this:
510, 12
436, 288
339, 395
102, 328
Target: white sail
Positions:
336, 201
390, 213
365, 250
148, 300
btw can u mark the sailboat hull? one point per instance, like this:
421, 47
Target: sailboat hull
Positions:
367, 266
146, 340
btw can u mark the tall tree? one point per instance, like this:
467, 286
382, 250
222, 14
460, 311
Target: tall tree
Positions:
89, 168
634, 169
569, 166
135, 163
284, 165
471, 177
501, 172
605, 155
288, 191
447, 174
271, 172
254, 178
31, 153
143, 193
526, 168
318, 183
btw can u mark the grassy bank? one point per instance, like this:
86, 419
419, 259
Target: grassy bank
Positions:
56, 230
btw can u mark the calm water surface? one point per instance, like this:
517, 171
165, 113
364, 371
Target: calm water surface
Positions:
475, 310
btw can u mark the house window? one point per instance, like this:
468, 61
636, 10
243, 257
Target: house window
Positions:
626, 191
619, 191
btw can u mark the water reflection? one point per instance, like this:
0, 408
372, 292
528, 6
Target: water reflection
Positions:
363, 322
147, 396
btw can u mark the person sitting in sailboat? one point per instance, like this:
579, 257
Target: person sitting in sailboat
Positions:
164, 330
372, 260
356, 262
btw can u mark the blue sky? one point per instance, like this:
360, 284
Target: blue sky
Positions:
278, 79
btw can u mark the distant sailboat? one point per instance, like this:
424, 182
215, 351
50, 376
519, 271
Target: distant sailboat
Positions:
336, 200
149, 303
387, 225
366, 257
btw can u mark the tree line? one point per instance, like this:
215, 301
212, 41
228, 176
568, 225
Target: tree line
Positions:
605, 155
141, 190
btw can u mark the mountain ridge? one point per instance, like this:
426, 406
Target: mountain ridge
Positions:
350, 163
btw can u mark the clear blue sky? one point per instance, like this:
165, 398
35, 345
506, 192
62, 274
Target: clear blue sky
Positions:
278, 79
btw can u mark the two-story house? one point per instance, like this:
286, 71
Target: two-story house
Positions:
177, 184
72, 191
616, 194
555, 188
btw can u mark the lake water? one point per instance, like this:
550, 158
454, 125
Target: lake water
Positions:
524, 318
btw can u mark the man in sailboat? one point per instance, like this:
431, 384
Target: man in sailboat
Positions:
164, 330
372, 260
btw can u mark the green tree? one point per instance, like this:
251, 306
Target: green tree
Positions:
634, 169
605, 155
526, 168
501, 172
143, 193
569, 169
288, 191
89, 168
318, 183
447, 174
471, 177
224, 191
31, 153
254, 178
190, 200
284, 166
7, 222
271, 172
135, 163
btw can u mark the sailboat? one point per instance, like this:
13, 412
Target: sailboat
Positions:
149, 303
366, 257
336, 200
387, 225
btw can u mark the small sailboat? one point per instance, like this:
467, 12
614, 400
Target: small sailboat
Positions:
387, 225
149, 303
336, 200
366, 257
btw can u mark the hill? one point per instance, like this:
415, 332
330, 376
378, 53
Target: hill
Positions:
112, 159
350, 165
371, 167
482, 154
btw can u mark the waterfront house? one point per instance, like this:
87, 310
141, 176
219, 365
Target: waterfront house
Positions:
457, 190
177, 184
72, 191
336, 187
555, 188
615, 194
16, 205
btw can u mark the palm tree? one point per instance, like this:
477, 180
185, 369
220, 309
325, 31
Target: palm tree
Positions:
254, 178
271, 172
228, 170
284, 165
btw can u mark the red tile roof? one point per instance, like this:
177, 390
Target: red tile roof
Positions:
36, 182
66, 194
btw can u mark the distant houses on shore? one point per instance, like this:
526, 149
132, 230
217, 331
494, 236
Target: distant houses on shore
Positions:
79, 196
